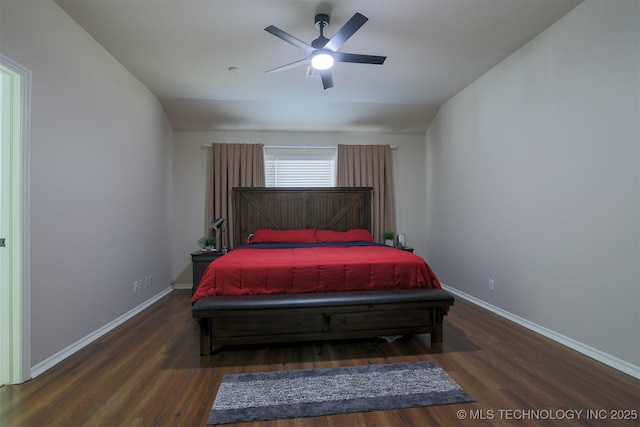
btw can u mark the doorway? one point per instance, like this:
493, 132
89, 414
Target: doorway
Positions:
15, 84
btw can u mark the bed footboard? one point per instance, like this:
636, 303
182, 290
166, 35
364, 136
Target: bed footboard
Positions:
261, 319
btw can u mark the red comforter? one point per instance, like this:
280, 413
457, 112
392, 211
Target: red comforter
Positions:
250, 271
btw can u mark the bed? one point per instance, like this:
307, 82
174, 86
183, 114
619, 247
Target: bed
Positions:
305, 267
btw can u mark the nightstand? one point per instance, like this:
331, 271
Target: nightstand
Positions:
406, 249
201, 261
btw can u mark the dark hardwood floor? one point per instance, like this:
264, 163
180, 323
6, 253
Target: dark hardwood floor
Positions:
148, 372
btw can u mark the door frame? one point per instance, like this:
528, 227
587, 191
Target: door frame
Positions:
15, 289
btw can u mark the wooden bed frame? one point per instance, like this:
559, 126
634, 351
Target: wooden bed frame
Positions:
338, 209
257, 319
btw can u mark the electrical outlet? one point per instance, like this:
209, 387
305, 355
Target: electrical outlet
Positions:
492, 285
140, 285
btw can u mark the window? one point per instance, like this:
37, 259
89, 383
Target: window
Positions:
300, 167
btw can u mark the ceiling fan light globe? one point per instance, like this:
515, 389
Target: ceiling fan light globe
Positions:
322, 61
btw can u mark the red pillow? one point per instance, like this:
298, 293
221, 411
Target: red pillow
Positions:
356, 235
268, 235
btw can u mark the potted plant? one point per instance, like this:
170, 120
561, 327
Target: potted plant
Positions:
208, 243
389, 237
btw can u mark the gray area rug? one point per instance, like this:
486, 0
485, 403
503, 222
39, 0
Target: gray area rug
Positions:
314, 392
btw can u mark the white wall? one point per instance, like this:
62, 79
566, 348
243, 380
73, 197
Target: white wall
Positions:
190, 171
100, 174
533, 180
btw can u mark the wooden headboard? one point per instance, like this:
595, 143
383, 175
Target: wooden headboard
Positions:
333, 208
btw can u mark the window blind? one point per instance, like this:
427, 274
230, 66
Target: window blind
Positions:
298, 167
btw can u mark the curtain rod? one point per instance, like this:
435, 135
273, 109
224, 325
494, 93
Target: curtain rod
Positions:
393, 147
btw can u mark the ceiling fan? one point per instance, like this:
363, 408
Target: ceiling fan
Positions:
322, 53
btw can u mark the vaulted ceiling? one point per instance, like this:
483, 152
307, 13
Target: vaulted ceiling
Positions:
183, 50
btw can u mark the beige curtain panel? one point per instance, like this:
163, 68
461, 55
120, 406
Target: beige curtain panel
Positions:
371, 166
231, 165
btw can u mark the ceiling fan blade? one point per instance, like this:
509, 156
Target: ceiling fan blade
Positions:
289, 38
357, 58
346, 32
288, 66
327, 79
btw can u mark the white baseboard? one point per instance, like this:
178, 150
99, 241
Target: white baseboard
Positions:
80, 344
591, 352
